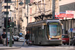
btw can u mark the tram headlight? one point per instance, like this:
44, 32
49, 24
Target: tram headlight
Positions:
59, 38
49, 38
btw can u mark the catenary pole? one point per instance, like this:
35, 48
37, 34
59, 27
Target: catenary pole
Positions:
6, 22
53, 9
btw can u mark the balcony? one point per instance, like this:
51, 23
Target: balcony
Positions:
3, 10
5, 4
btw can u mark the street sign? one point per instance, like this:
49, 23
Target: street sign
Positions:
71, 29
20, 33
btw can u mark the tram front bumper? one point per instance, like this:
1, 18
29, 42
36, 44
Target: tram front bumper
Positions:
51, 42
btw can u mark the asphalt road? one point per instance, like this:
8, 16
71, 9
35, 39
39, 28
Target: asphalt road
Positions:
35, 47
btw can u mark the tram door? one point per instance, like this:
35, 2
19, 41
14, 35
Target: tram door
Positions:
35, 35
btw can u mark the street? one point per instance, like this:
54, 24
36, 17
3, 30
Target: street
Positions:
35, 47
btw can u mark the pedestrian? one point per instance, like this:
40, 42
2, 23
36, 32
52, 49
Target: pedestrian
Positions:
3, 38
27, 36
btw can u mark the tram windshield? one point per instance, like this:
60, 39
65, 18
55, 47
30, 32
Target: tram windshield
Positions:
54, 29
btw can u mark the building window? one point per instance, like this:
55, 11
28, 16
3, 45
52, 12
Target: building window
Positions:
7, 7
31, 1
6, 12
7, 1
15, 16
0, 1
0, 26
30, 10
14, 23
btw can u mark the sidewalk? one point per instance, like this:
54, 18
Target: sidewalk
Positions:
7, 47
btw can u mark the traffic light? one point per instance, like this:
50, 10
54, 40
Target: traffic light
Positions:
9, 20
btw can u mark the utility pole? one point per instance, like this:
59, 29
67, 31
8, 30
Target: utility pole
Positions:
6, 22
10, 43
44, 10
53, 9
27, 1
11, 25
27, 14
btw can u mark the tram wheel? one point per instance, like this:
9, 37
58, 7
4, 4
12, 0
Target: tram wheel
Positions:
39, 43
60, 44
64, 43
67, 43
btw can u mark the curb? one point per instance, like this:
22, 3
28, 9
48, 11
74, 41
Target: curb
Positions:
10, 47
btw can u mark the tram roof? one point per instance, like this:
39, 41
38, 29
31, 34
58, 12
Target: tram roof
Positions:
43, 21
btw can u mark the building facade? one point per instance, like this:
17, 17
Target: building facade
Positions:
67, 5
69, 24
6, 10
1, 18
42, 9
13, 10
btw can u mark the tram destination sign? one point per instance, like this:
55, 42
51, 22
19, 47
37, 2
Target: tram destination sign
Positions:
54, 23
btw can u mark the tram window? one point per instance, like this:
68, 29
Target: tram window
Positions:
46, 28
40, 31
54, 30
35, 31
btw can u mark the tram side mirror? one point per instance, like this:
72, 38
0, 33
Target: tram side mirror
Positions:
48, 23
62, 27
42, 26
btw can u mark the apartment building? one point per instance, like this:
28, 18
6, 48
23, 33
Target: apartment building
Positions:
39, 8
1, 18
12, 11
20, 18
68, 7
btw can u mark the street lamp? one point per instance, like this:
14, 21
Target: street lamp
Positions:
11, 25
27, 2
27, 14
21, 3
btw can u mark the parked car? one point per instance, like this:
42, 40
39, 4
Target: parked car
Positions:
16, 38
8, 36
72, 41
65, 39
21, 39
0, 40
9, 40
